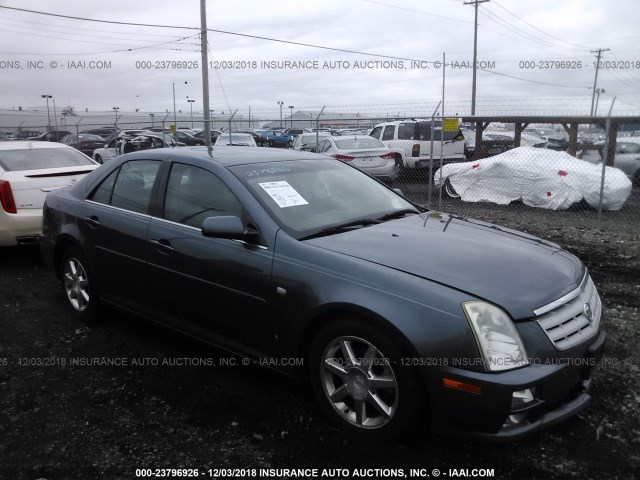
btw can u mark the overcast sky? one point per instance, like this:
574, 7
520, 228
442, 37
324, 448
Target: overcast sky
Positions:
43, 54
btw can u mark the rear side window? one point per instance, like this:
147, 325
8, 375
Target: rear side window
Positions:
41, 158
388, 132
129, 187
375, 133
407, 131
423, 132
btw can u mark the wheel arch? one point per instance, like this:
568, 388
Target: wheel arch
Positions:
62, 245
332, 313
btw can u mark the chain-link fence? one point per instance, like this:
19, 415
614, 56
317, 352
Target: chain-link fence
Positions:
544, 170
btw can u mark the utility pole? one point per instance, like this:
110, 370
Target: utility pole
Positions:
595, 80
475, 53
205, 75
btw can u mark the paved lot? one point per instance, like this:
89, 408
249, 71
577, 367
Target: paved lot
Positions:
88, 420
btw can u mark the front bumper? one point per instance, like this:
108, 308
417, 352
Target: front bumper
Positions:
561, 391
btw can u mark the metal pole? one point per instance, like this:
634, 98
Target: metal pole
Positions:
55, 115
475, 53
191, 105
318, 126
48, 114
433, 116
205, 75
280, 103
604, 164
444, 67
175, 122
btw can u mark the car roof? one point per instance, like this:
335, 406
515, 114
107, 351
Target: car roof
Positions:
27, 144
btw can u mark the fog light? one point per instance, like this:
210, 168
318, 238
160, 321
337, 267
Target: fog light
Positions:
515, 419
520, 398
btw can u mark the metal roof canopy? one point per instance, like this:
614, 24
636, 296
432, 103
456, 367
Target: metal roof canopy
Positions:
569, 123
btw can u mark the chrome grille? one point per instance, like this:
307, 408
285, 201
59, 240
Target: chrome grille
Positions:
568, 325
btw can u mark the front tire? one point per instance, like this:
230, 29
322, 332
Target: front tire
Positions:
77, 282
449, 191
360, 383
99, 159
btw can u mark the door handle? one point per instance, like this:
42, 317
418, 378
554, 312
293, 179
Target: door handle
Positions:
92, 221
162, 244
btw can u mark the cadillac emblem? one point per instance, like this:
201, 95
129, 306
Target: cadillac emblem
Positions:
587, 311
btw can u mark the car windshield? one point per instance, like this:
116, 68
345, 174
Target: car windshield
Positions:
358, 143
234, 139
40, 158
90, 138
307, 197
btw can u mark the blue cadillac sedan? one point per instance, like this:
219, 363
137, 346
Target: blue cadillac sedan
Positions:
401, 317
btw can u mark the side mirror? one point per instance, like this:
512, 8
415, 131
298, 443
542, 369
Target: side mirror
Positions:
229, 227
398, 191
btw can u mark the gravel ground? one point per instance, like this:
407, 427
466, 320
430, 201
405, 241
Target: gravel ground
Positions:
63, 421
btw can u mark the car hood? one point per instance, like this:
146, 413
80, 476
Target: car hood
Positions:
512, 269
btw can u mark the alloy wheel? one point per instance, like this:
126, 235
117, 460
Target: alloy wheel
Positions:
359, 382
76, 284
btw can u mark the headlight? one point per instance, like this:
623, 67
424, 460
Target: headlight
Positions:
496, 335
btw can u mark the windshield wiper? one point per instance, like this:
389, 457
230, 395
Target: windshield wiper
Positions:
343, 227
397, 214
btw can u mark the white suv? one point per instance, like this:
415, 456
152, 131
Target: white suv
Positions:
411, 140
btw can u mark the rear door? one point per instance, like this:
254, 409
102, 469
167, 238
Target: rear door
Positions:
114, 230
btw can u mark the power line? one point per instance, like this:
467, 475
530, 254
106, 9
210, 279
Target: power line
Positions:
416, 11
258, 37
541, 31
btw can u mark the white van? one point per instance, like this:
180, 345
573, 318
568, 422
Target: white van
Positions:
411, 140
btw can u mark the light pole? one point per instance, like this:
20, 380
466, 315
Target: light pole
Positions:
55, 115
291, 115
598, 92
115, 111
48, 114
280, 103
175, 121
191, 105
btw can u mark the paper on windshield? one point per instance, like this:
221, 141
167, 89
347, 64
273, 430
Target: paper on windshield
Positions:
283, 194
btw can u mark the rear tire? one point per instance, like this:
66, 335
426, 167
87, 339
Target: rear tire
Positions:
360, 383
77, 283
449, 191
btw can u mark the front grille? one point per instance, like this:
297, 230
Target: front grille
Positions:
568, 325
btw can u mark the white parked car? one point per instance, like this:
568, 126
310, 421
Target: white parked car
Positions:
364, 153
307, 141
107, 152
234, 139
411, 141
539, 177
28, 171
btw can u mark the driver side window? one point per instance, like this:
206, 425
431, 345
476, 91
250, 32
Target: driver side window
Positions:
194, 194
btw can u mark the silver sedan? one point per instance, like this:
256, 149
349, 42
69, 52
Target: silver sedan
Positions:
363, 152
627, 157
